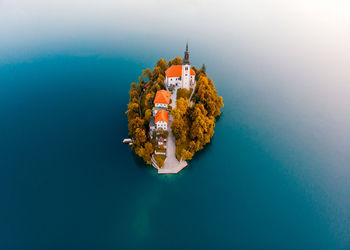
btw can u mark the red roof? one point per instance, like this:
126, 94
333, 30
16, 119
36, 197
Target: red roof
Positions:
162, 116
162, 96
176, 71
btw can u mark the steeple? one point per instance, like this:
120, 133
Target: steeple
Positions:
186, 59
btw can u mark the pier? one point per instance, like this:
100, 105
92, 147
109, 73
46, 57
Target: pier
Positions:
128, 141
171, 164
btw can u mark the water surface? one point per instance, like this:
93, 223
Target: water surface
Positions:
276, 175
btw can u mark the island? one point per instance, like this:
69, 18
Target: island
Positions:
171, 113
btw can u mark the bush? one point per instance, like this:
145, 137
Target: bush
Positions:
183, 93
160, 160
161, 149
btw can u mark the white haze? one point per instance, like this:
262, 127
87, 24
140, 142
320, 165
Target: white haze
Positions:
298, 49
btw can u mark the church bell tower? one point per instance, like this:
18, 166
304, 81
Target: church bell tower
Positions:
186, 59
186, 67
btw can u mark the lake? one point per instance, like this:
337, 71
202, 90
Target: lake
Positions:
275, 176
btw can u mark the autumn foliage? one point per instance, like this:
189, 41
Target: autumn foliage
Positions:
139, 112
194, 120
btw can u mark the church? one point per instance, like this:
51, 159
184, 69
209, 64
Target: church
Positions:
181, 76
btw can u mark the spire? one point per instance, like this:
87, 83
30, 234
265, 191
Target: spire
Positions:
186, 59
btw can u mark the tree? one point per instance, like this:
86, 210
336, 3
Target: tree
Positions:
148, 115
160, 160
148, 151
206, 94
133, 111
175, 61
162, 65
149, 100
203, 69
186, 155
135, 123
147, 74
202, 128
163, 133
181, 107
140, 136
156, 73
192, 146
140, 151
160, 81
177, 127
183, 93
193, 125
133, 95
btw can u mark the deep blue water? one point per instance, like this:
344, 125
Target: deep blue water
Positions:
272, 178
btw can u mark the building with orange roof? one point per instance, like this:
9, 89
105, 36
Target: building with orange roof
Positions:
162, 119
162, 98
176, 71
161, 101
181, 76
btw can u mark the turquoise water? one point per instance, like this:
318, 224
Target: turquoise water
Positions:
276, 175
272, 178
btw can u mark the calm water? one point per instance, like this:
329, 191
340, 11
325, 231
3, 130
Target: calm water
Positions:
276, 175
67, 181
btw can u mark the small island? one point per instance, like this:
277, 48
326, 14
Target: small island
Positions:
171, 113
